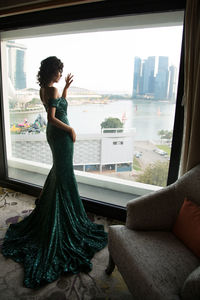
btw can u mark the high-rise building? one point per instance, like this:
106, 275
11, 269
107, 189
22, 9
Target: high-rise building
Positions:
149, 68
143, 79
172, 83
162, 77
141, 82
147, 85
16, 64
136, 76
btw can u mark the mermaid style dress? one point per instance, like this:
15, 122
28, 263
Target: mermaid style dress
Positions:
57, 236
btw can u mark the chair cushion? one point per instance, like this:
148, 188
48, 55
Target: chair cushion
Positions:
187, 226
191, 287
154, 264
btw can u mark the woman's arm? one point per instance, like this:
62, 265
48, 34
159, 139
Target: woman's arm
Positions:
68, 81
55, 121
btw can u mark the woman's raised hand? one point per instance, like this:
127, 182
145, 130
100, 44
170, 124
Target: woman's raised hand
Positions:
68, 80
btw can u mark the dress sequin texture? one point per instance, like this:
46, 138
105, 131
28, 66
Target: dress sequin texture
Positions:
57, 236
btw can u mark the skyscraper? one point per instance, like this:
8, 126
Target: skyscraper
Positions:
162, 77
16, 64
172, 83
136, 76
148, 85
143, 79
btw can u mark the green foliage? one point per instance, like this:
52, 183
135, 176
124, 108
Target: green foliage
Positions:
118, 97
155, 174
12, 103
165, 134
161, 133
35, 101
136, 164
112, 123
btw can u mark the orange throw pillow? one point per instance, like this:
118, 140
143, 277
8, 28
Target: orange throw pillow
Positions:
187, 226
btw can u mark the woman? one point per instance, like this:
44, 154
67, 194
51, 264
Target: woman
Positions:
57, 237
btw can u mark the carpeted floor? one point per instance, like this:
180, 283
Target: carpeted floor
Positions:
95, 285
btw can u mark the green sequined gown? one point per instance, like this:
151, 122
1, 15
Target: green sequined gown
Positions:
57, 236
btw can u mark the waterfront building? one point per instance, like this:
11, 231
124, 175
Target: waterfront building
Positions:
149, 84
172, 83
17, 64
103, 152
145, 83
137, 76
149, 68
162, 77
141, 82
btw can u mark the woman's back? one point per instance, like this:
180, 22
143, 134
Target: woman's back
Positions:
47, 93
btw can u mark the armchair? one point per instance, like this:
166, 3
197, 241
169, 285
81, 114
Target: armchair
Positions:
153, 262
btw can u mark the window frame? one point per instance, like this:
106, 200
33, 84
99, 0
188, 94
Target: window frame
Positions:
89, 11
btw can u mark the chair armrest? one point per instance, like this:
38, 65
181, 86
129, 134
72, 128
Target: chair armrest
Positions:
191, 287
155, 211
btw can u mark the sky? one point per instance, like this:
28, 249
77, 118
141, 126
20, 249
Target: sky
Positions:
102, 61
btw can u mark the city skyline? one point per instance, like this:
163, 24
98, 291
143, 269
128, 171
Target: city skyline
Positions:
154, 78
102, 61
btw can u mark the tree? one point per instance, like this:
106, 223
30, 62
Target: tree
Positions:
168, 135
12, 102
35, 101
155, 174
165, 134
161, 133
112, 123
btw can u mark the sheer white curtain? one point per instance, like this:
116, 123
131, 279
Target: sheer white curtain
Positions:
191, 100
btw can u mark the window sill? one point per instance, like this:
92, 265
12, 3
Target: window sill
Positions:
93, 186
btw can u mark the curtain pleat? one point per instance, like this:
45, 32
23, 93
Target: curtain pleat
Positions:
191, 99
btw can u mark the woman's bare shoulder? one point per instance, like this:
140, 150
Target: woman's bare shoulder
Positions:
48, 93
53, 92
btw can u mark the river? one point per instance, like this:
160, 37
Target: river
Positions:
148, 117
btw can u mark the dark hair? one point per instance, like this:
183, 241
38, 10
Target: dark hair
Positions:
48, 69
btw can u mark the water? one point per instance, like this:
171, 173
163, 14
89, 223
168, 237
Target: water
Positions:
148, 117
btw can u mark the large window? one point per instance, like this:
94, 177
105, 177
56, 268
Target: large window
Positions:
121, 104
